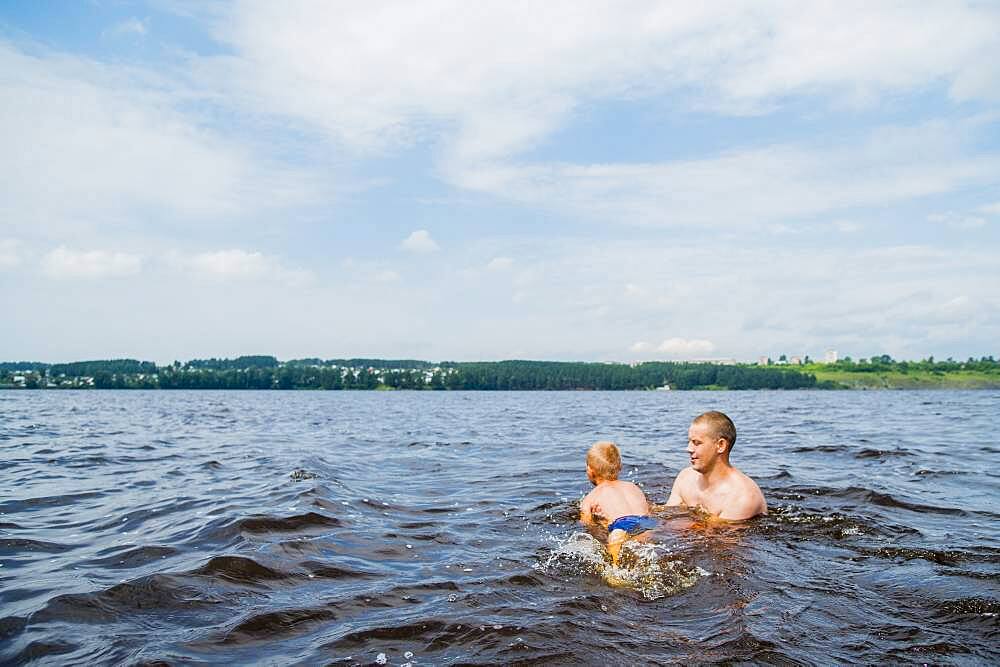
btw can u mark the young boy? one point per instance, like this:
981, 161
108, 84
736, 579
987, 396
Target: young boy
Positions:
621, 506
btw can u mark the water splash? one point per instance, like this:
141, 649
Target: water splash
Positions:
648, 568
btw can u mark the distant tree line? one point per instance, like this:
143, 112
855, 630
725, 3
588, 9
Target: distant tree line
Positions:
884, 363
14, 366
80, 368
114, 366
529, 375
267, 372
298, 377
262, 361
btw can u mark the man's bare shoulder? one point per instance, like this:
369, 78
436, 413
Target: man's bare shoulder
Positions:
747, 501
747, 483
686, 477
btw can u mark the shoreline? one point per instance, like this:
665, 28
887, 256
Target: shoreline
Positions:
840, 388
268, 373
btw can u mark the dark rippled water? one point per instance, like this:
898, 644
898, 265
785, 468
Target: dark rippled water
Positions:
439, 528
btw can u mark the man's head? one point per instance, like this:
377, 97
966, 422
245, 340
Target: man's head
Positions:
711, 436
603, 462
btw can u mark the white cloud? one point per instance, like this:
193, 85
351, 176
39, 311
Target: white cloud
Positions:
66, 263
231, 263
10, 253
685, 348
847, 226
750, 186
89, 146
959, 306
98, 148
959, 221
487, 84
490, 83
386, 276
131, 26
366, 272
881, 302
676, 348
779, 229
420, 242
969, 222
500, 76
239, 265
500, 264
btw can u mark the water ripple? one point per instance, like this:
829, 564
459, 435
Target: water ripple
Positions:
441, 528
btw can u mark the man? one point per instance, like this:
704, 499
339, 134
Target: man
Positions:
711, 483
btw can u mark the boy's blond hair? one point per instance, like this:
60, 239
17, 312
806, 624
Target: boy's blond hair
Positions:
604, 459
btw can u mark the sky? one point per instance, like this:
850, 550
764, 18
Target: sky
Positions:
445, 180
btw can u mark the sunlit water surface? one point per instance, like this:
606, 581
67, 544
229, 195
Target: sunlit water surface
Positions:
440, 528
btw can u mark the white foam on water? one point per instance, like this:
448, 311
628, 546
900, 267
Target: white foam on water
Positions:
648, 568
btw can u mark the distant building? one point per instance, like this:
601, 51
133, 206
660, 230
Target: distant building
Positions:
763, 360
795, 361
830, 357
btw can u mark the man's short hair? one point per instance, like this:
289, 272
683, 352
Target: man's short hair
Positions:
720, 424
604, 459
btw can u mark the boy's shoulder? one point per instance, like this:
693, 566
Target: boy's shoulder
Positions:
595, 495
630, 493
625, 485
591, 495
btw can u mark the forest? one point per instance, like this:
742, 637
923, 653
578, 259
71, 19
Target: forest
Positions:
267, 372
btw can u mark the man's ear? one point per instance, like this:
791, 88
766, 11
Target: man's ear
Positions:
721, 445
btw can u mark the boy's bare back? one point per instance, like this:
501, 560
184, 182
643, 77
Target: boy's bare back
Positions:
611, 500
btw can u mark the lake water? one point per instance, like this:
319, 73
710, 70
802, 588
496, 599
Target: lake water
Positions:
440, 528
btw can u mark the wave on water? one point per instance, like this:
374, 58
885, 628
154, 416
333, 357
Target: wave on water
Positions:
442, 528
862, 497
156, 592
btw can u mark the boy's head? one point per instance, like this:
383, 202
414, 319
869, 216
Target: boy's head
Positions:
603, 462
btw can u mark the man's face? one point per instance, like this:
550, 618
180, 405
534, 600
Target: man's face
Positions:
704, 447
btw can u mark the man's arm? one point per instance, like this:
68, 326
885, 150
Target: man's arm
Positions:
676, 498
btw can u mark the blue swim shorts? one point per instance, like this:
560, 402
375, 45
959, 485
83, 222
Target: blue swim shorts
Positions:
632, 524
